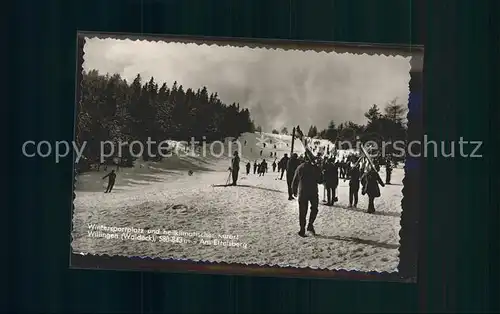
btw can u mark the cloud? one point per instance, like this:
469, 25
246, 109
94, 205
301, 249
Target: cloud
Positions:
280, 88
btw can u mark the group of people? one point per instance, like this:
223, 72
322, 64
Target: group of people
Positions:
304, 175
303, 180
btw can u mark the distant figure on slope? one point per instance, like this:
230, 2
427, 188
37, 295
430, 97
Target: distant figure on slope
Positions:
262, 168
331, 180
388, 171
111, 181
245, 143
248, 167
271, 155
235, 167
341, 168
255, 167
292, 165
274, 165
371, 188
282, 164
354, 175
305, 185
261, 153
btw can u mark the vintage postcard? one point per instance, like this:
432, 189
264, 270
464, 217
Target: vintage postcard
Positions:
241, 154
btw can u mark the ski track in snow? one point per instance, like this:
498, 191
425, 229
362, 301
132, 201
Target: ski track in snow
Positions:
258, 212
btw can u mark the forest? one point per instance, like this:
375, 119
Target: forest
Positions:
111, 109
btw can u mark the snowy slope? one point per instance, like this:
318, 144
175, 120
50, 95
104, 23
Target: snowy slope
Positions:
162, 195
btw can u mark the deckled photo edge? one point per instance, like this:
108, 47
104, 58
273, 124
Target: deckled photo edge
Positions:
344, 48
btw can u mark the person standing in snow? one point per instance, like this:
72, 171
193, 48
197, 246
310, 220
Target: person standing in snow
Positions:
111, 181
255, 166
331, 181
235, 167
248, 167
274, 165
262, 168
354, 175
371, 188
305, 186
282, 164
388, 171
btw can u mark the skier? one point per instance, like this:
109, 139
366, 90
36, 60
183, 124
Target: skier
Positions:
292, 165
282, 164
248, 167
388, 171
274, 165
245, 143
354, 175
255, 167
371, 188
261, 152
111, 181
305, 185
331, 181
235, 167
271, 155
262, 168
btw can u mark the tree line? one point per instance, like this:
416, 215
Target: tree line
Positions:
388, 126
111, 109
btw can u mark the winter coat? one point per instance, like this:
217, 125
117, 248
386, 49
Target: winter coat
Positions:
354, 177
305, 181
331, 174
282, 164
372, 184
235, 163
293, 164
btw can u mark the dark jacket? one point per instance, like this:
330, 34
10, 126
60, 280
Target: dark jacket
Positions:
306, 179
354, 176
331, 174
235, 163
111, 176
291, 167
372, 184
282, 164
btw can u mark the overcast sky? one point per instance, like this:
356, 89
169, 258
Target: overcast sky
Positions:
280, 88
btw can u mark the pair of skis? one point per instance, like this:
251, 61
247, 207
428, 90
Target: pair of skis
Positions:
308, 154
300, 136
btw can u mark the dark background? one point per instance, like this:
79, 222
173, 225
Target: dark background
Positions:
459, 254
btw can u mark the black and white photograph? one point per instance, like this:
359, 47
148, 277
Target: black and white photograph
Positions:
240, 155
